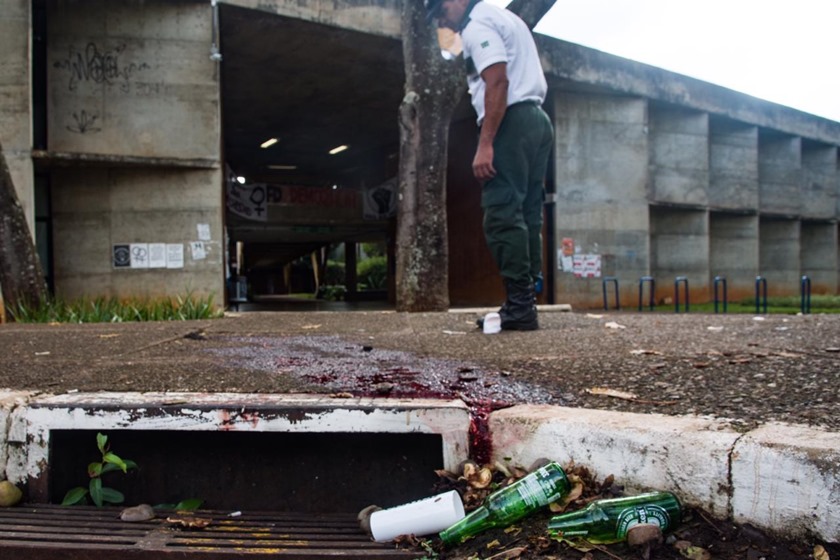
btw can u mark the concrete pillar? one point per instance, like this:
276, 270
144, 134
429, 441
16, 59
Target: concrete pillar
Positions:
734, 251
733, 165
779, 166
601, 173
818, 255
679, 155
819, 180
679, 246
15, 99
779, 255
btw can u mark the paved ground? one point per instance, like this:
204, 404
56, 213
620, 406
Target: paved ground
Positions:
745, 368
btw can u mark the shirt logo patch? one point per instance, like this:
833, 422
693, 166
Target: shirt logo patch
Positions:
485, 44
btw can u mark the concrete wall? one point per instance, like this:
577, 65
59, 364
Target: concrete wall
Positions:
779, 255
733, 165
819, 180
679, 246
380, 17
15, 96
98, 209
734, 252
679, 155
601, 153
779, 164
134, 84
818, 257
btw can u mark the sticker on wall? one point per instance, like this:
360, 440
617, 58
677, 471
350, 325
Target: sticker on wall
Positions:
568, 245
174, 255
157, 255
198, 250
586, 266
203, 232
122, 256
139, 255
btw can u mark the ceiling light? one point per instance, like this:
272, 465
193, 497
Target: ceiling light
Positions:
283, 167
241, 180
338, 149
268, 143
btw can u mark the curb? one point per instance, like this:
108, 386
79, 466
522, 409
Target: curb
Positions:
779, 477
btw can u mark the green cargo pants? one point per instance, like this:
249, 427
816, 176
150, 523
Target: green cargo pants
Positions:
513, 200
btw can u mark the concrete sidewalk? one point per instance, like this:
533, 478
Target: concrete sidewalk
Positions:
784, 477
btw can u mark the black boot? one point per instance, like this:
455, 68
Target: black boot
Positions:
519, 313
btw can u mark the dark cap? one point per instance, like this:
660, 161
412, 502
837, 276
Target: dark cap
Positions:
432, 9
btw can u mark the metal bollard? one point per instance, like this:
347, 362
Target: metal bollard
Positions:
647, 280
604, 282
677, 281
720, 280
760, 282
805, 295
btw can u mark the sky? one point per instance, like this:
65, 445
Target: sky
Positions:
782, 51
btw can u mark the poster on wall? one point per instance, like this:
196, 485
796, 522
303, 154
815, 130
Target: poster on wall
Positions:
586, 266
380, 202
174, 255
139, 255
121, 256
157, 255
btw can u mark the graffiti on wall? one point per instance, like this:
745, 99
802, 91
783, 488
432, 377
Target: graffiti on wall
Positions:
98, 66
84, 122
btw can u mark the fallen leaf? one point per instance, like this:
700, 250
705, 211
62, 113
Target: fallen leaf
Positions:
738, 361
189, 522
493, 544
576, 491
111, 335
700, 365
612, 393
143, 512
786, 354
820, 553
512, 529
614, 325
344, 395
509, 553
688, 550
832, 349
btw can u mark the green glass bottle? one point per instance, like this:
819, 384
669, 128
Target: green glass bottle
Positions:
607, 521
511, 503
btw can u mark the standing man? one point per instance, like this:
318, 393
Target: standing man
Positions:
507, 87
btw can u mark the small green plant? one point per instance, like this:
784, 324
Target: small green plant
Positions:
373, 273
99, 494
190, 504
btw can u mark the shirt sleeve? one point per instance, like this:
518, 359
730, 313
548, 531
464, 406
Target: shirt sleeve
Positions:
484, 45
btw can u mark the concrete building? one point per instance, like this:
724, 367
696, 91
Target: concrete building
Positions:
126, 122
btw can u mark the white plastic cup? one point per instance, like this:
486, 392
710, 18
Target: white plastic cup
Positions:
492, 323
423, 517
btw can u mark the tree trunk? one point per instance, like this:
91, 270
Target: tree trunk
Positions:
531, 11
21, 279
433, 88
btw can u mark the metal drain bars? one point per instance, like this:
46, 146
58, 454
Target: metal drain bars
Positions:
53, 532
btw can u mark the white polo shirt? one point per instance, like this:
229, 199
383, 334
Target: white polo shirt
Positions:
492, 35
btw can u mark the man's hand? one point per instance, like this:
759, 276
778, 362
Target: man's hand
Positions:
483, 163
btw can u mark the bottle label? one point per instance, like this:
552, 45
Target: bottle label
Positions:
534, 490
635, 515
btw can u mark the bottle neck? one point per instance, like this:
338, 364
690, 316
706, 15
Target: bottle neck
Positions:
477, 521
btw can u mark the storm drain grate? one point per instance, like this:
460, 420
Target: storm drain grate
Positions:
82, 533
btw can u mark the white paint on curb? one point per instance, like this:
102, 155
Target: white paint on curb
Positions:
234, 412
9, 401
782, 478
788, 477
686, 455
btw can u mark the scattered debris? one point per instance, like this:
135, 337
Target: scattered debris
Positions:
612, 393
310, 327
714, 329
10, 494
688, 550
188, 522
143, 512
646, 352
614, 325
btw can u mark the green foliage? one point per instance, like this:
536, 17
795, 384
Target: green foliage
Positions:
334, 275
190, 504
115, 310
374, 249
775, 305
332, 292
373, 272
99, 494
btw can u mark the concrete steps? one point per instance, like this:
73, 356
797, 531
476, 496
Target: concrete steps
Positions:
783, 478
